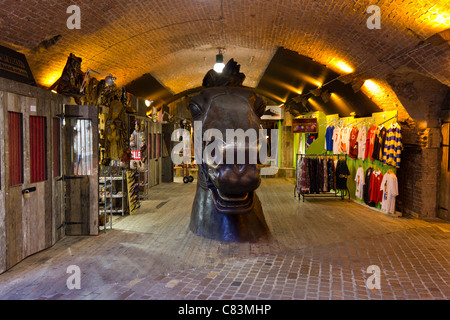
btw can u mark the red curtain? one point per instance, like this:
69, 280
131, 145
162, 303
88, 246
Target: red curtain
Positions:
15, 148
38, 148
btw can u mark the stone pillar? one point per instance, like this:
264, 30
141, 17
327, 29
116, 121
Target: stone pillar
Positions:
419, 173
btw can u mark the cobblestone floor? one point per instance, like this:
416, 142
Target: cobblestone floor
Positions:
413, 257
414, 264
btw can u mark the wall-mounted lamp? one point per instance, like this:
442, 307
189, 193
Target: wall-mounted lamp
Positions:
218, 67
148, 103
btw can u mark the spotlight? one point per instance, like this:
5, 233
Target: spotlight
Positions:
218, 67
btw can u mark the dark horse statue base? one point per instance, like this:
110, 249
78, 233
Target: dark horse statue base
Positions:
208, 223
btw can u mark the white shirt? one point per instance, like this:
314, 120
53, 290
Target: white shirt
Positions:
336, 140
389, 186
362, 136
359, 178
345, 140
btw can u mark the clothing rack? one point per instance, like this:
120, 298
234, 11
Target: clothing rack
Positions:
394, 117
341, 193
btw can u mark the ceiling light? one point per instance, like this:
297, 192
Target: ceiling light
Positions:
373, 87
148, 103
218, 67
344, 67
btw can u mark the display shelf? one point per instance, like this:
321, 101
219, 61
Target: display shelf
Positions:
112, 187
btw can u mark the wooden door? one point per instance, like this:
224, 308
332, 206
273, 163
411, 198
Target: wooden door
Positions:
444, 199
80, 169
28, 185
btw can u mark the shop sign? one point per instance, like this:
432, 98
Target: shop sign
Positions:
136, 154
273, 113
14, 66
305, 125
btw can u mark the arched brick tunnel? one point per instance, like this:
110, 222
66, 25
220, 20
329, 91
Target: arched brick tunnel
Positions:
176, 42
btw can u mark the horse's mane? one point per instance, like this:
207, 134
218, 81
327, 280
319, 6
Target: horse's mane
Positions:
230, 76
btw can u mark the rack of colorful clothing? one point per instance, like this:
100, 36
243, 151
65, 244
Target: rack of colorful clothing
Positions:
321, 174
376, 188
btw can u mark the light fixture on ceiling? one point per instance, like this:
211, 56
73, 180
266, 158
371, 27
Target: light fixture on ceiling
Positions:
357, 84
316, 92
218, 67
325, 95
148, 103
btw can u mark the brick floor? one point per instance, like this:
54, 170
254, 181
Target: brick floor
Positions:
414, 264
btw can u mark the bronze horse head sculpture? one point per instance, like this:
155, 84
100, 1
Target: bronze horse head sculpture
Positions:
226, 207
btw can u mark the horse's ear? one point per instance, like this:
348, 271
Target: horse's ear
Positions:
258, 105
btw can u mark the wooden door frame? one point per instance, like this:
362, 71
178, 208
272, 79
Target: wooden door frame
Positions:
90, 113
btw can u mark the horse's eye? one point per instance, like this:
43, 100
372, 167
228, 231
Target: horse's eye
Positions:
195, 110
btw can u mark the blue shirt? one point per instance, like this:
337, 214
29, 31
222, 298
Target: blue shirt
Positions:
329, 138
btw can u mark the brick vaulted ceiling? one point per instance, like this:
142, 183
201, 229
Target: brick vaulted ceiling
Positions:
176, 40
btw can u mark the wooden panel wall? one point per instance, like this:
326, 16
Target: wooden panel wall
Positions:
27, 225
2, 186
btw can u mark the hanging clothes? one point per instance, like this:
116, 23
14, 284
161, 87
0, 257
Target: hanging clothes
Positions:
366, 188
331, 172
389, 188
312, 175
337, 140
378, 146
344, 140
393, 146
359, 179
303, 177
353, 143
375, 184
370, 140
320, 175
329, 138
362, 136
315, 175
325, 175
342, 173
299, 174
